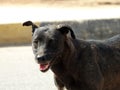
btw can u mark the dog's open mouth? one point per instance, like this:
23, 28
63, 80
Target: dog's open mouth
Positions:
44, 67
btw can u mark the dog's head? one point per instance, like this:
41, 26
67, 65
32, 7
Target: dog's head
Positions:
48, 43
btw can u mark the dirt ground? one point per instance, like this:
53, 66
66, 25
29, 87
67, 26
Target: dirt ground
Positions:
63, 3
19, 71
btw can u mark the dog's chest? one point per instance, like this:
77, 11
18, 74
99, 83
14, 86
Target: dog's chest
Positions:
63, 74
66, 79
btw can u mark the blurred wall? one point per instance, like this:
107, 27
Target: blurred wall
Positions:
93, 29
13, 34
16, 34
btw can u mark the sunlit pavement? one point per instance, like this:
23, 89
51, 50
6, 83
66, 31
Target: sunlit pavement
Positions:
19, 71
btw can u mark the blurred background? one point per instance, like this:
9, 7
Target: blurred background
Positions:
90, 19
94, 19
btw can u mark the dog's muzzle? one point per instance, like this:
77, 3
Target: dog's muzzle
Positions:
44, 61
44, 58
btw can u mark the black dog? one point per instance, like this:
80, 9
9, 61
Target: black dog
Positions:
77, 64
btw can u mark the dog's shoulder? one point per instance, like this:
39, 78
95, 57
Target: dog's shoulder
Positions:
95, 45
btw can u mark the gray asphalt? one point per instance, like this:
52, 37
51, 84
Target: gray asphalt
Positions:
19, 71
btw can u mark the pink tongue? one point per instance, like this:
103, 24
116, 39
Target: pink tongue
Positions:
44, 66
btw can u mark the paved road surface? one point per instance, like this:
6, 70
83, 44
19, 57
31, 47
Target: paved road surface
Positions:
19, 71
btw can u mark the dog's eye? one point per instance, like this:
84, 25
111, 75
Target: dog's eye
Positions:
51, 40
52, 43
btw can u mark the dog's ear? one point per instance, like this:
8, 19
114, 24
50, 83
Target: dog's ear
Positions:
30, 23
64, 29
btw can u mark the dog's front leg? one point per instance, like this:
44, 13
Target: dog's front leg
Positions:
58, 83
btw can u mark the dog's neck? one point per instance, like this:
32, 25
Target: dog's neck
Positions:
69, 51
66, 56
69, 46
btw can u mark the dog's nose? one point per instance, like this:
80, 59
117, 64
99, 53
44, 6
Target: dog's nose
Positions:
40, 57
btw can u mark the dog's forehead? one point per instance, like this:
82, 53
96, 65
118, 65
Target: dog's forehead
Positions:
46, 31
